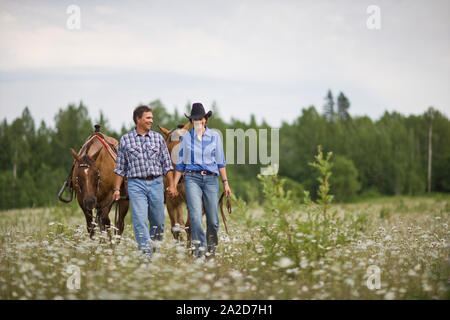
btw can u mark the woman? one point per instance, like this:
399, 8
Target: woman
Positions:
202, 159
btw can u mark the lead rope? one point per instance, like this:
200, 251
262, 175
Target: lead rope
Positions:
115, 217
221, 210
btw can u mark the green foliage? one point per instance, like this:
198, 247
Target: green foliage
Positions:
328, 108
384, 213
388, 156
305, 231
343, 105
324, 166
345, 184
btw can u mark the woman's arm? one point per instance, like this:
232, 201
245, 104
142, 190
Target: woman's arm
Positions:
176, 178
226, 185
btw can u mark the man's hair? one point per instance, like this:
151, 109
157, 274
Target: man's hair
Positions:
139, 111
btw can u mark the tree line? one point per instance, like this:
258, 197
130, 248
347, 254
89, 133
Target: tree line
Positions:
388, 156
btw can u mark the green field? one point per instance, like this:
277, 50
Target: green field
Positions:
406, 238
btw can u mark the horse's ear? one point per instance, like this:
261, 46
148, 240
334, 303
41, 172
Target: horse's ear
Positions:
75, 155
164, 130
186, 126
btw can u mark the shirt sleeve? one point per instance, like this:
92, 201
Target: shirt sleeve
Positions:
180, 165
220, 156
121, 160
166, 162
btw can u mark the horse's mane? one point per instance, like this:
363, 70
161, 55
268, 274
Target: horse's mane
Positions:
179, 126
84, 158
87, 160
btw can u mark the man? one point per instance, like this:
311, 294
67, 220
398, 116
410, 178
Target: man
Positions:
143, 158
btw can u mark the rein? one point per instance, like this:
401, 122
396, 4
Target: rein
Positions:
221, 209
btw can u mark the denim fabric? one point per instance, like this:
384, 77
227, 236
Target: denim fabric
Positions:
204, 188
147, 204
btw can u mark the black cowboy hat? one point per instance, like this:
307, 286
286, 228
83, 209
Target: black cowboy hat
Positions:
198, 112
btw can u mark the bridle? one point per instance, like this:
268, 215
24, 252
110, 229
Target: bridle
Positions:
97, 172
87, 166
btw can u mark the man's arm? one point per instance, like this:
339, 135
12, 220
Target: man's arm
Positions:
173, 187
120, 170
117, 183
169, 176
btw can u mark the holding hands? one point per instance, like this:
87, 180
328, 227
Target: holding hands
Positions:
172, 190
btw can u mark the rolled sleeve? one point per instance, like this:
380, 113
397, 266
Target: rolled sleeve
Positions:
220, 156
121, 160
180, 165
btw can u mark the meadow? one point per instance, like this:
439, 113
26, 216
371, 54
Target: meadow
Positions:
281, 250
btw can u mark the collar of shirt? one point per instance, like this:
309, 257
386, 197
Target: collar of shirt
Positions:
207, 132
135, 133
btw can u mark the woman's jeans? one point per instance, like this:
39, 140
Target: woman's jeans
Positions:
147, 204
203, 189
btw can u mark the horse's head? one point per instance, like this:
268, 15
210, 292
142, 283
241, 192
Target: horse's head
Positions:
173, 138
87, 178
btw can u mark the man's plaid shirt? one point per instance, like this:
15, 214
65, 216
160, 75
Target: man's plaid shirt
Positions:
141, 156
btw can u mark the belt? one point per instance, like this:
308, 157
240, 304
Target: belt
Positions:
204, 173
149, 178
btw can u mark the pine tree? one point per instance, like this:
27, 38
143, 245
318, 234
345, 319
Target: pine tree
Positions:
328, 108
343, 106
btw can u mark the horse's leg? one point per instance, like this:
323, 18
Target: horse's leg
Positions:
173, 218
124, 204
90, 227
180, 220
104, 220
101, 222
88, 216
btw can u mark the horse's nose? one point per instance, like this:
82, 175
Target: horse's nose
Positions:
89, 203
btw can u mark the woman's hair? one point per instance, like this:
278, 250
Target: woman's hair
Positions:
191, 121
139, 111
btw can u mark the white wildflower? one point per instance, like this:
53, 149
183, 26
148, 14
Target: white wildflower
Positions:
350, 282
284, 262
389, 296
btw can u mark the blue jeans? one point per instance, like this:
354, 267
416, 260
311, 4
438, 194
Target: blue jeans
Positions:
203, 189
147, 204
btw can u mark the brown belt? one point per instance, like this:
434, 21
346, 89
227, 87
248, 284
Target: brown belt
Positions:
149, 178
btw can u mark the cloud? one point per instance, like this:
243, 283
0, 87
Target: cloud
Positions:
6, 17
248, 55
105, 10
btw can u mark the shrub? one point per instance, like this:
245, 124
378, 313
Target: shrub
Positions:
307, 231
345, 179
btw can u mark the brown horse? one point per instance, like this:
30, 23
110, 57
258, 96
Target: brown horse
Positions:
175, 205
93, 181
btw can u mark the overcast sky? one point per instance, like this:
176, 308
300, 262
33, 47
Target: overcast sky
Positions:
269, 58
